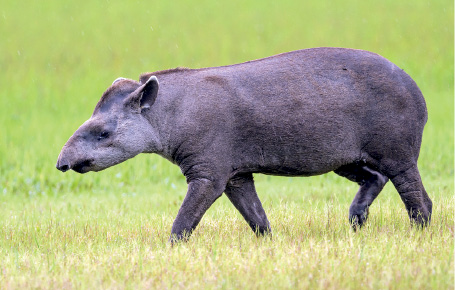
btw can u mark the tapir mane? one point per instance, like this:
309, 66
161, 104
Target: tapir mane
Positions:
145, 76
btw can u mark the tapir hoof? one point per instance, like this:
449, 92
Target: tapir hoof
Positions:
357, 217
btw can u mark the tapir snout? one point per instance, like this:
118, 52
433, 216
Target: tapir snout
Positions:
68, 160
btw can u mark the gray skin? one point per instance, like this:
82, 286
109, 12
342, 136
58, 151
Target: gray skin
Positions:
300, 113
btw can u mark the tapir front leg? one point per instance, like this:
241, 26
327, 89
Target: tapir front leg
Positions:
241, 192
201, 194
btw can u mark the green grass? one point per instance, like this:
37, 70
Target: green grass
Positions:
110, 229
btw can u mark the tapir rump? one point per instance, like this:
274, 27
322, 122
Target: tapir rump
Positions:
300, 113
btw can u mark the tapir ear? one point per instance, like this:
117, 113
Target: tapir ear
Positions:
144, 96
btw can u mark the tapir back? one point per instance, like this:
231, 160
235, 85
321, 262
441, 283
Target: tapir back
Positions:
299, 113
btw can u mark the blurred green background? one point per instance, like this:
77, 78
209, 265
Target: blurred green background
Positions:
57, 58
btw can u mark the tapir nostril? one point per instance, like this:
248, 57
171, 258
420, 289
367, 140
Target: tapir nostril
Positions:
63, 168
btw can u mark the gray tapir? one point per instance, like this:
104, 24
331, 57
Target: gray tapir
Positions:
300, 113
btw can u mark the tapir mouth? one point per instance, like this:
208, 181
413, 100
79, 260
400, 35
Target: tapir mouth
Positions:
82, 167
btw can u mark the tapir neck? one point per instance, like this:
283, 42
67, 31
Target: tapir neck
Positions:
162, 118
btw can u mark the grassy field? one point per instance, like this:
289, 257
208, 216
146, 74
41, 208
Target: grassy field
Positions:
110, 229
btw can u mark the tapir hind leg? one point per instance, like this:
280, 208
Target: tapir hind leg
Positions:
241, 192
418, 204
371, 183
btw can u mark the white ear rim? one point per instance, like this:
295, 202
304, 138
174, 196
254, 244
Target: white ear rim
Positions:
118, 79
153, 78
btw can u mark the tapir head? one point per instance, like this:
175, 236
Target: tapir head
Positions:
117, 130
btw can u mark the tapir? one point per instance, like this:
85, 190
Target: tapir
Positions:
300, 113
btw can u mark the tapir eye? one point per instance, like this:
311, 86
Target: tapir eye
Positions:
103, 135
